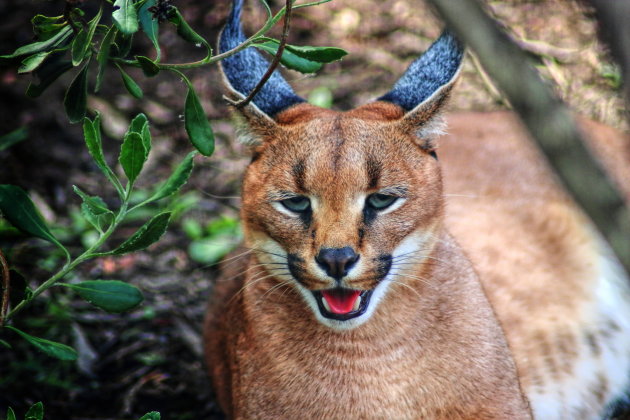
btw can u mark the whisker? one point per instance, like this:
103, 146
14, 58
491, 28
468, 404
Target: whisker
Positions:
249, 269
270, 253
410, 276
251, 282
275, 287
225, 262
408, 287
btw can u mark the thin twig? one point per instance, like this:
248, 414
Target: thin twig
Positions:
492, 89
6, 287
274, 62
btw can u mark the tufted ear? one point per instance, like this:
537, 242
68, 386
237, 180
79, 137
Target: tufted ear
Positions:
243, 70
424, 88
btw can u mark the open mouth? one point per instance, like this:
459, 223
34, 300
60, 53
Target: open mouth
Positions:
342, 304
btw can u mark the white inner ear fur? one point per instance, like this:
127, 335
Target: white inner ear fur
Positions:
435, 125
433, 128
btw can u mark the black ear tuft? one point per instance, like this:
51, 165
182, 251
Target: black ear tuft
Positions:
244, 69
436, 68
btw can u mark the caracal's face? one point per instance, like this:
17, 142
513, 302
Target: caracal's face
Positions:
340, 206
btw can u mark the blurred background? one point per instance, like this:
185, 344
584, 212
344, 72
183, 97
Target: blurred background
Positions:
150, 359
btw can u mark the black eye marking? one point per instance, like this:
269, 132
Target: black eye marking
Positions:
433, 154
299, 174
373, 168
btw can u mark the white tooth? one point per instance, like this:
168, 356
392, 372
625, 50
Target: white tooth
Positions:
357, 303
326, 304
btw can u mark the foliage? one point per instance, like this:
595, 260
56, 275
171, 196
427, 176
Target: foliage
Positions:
69, 42
110, 295
36, 412
89, 46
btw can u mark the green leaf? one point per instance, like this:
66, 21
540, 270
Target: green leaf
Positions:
45, 27
184, 30
5, 344
140, 125
125, 17
13, 137
79, 47
211, 250
150, 25
197, 125
46, 45
103, 56
318, 54
153, 415
47, 74
133, 154
92, 135
39, 20
51, 348
289, 59
146, 137
130, 84
10, 414
99, 221
95, 203
83, 41
33, 62
18, 209
75, 101
109, 295
123, 44
148, 234
177, 179
36, 412
149, 68
321, 96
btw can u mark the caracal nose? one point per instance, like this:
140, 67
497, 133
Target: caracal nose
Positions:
336, 261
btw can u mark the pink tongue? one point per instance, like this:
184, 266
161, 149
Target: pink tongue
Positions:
341, 301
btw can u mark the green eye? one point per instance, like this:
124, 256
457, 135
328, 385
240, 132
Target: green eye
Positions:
380, 201
298, 204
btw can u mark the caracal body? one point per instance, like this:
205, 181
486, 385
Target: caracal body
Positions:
379, 282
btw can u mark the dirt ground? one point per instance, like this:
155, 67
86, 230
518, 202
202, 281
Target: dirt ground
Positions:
150, 359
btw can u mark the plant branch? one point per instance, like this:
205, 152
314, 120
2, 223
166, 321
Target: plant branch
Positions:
274, 63
216, 58
6, 287
89, 253
547, 119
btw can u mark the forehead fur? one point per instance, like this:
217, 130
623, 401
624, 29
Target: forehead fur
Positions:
315, 147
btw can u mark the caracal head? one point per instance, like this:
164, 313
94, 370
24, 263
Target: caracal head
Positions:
340, 205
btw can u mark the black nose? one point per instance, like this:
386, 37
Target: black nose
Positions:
336, 261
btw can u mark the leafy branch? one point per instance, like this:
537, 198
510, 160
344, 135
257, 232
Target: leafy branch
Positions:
110, 295
60, 36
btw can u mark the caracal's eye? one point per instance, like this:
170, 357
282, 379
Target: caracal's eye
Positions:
380, 201
298, 204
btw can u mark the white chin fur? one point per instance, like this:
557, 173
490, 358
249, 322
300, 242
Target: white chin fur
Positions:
378, 293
